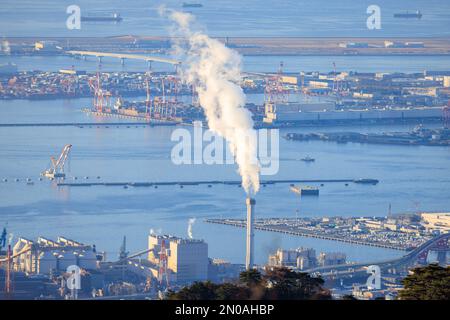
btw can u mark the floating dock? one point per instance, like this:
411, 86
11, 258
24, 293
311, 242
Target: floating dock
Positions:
210, 182
306, 190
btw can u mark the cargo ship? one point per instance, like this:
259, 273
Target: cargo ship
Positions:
366, 181
192, 5
115, 17
308, 159
407, 14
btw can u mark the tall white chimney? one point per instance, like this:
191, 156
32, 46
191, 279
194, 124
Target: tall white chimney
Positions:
250, 235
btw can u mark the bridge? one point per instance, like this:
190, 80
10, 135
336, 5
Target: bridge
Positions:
123, 56
418, 256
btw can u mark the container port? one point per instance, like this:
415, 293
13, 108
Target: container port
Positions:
169, 101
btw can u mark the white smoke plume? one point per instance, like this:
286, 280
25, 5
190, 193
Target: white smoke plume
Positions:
215, 71
191, 222
155, 232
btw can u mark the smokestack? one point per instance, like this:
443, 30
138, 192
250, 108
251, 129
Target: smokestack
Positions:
250, 235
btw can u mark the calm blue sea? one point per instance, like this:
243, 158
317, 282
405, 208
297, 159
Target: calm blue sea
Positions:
229, 17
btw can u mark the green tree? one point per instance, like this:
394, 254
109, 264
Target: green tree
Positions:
196, 291
427, 283
230, 291
276, 283
250, 277
285, 284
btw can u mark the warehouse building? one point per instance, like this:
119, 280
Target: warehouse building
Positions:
46, 256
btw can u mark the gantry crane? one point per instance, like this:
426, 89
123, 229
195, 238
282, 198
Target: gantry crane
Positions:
57, 168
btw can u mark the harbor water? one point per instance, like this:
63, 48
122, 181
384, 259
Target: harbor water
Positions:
412, 179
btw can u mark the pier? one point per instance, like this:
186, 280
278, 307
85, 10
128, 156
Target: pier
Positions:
305, 233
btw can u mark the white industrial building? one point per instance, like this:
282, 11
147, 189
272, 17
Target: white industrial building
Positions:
45, 256
300, 258
187, 259
434, 221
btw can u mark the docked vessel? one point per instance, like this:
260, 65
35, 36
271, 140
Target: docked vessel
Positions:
115, 17
296, 114
407, 14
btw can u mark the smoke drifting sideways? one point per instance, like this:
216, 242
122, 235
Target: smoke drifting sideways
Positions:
215, 72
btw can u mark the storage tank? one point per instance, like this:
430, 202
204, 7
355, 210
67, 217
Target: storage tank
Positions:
46, 262
66, 259
87, 260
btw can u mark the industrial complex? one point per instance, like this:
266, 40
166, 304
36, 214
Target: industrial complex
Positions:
115, 103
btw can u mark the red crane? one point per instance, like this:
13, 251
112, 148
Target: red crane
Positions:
101, 97
148, 102
274, 91
162, 273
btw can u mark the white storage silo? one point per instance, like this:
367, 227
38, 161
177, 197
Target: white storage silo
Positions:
66, 259
46, 262
87, 260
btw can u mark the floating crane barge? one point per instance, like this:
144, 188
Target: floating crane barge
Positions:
57, 166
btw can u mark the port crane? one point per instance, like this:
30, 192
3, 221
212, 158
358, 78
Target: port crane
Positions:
57, 165
101, 96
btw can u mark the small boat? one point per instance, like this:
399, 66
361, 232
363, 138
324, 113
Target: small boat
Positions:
308, 159
366, 181
407, 14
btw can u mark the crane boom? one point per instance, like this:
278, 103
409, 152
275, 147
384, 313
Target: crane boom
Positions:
57, 168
